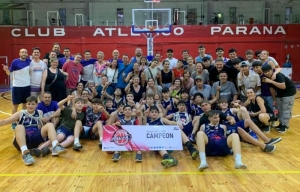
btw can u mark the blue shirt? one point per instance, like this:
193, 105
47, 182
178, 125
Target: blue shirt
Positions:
20, 72
123, 72
62, 61
47, 110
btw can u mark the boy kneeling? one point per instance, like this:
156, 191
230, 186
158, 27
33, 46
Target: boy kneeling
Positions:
212, 141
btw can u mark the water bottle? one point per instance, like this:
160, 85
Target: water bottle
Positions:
275, 111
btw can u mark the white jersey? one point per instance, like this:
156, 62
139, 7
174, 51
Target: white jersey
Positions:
36, 71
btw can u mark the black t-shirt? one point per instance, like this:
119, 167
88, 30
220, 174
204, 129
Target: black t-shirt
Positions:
290, 89
137, 95
230, 64
214, 73
204, 119
209, 67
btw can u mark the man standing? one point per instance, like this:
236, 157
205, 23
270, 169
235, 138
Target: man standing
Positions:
19, 68
138, 55
285, 96
115, 55
246, 79
200, 88
74, 70
250, 57
173, 61
215, 71
56, 49
220, 53
185, 56
233, 55
202, 55
67, 56
123, 69
88, 67
36, 70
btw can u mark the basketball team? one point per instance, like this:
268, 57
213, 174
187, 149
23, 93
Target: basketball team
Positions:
217, 103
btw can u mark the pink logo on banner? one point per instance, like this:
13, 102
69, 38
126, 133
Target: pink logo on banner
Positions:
121, 137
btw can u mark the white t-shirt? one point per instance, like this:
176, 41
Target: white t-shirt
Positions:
110, 75
173, 62
20, 72
36, 70
252, 80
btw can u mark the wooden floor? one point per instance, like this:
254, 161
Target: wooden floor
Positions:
93, 170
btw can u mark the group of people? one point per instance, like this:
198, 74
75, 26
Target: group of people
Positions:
215, 102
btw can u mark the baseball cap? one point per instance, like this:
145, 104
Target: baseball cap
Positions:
205, 59
266, 67
198, 78
245, 63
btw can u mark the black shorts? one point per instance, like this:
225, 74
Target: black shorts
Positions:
33, 139
20, 94
217, 147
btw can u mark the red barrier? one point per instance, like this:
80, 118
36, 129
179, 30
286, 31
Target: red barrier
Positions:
279, 40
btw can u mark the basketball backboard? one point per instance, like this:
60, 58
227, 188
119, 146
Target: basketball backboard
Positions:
151, 20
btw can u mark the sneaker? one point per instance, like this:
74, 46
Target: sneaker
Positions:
194, 153
192, 138
278, 126
28, 159
45, 151
252, 134
266, 128
273, 141
13, 126
240, 166
269, 148
116, 157
170, 162
58, 150
35, 152
138, 157
77, 146
202, 167
282, 129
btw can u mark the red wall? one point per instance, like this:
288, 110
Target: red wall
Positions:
278, 40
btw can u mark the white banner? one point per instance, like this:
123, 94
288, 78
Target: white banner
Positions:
140, 137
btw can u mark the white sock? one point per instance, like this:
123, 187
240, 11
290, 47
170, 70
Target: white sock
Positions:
24, 148
101, 138
238, 159
76, 140
202, 158
54, 143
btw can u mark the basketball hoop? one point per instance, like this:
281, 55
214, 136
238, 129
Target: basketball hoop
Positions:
151, 29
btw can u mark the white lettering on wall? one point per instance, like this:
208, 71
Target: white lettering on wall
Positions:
14, 34
241, 29
98, 31
27, 33
247, 30
59, 32
214, 30
267, 30
227, 30
110, 31
43, 35
180, 29
280, 29
254, 30
120, 33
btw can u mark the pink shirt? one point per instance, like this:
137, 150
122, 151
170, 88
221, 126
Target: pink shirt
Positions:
189, 85
74, 71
